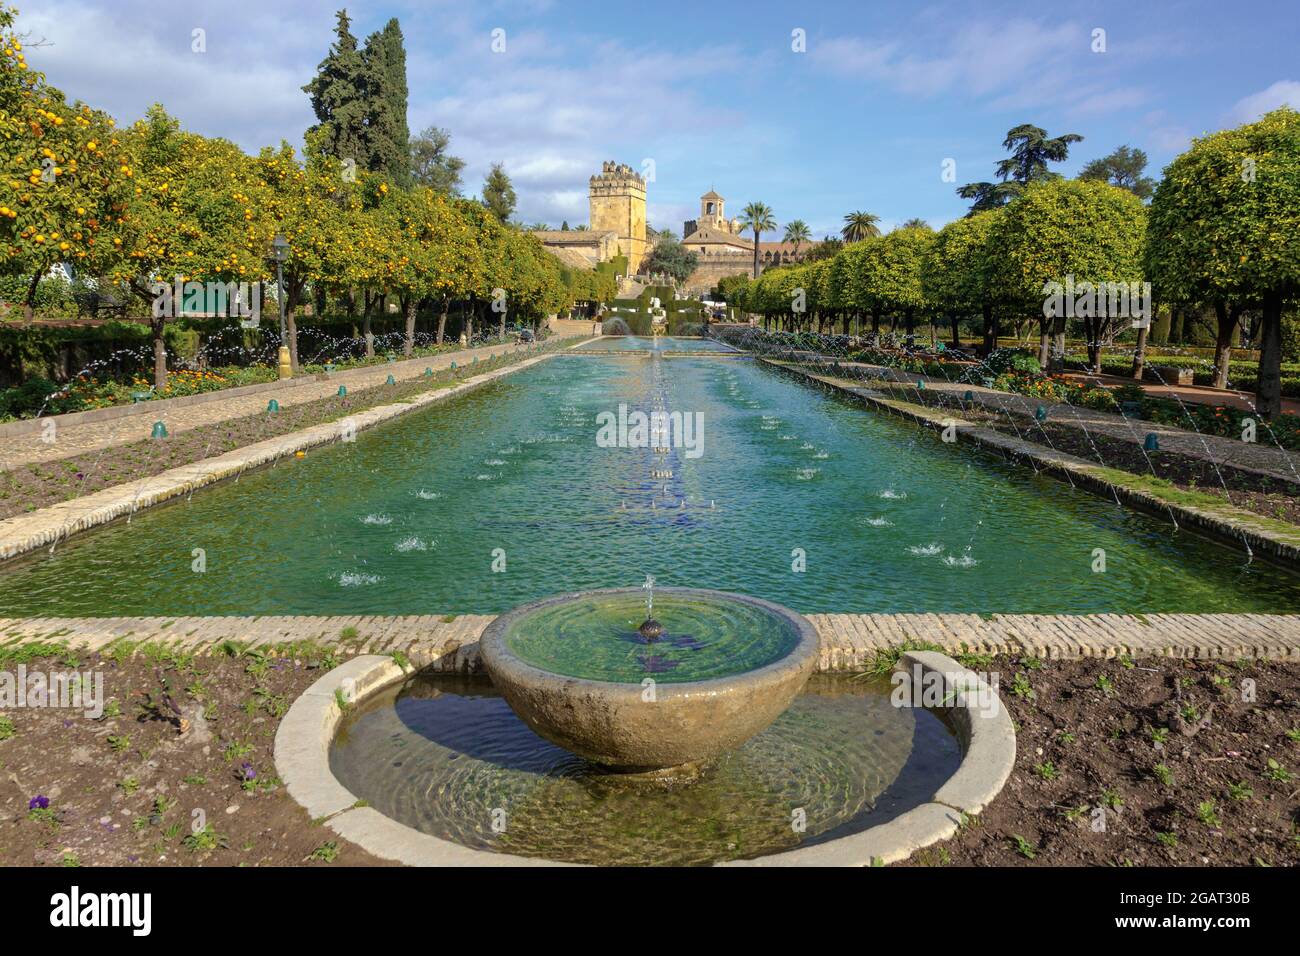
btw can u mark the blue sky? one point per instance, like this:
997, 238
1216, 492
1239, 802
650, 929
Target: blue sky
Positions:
713, 93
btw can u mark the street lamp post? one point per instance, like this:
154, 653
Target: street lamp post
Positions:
280, 252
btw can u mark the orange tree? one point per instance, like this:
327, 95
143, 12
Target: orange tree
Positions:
365, 253
195, 214
1062, 229
63, 176
434, 256
306, 203
889, 273
1225, 227
955, 273
489, 238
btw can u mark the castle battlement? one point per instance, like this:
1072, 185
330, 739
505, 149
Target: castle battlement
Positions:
617, 197
618, 174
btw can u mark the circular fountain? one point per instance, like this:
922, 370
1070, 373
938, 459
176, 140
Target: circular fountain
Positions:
645, 681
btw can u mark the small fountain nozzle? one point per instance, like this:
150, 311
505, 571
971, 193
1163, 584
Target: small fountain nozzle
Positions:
651, 630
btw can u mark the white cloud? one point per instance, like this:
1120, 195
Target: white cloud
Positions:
552, 107
1281, 93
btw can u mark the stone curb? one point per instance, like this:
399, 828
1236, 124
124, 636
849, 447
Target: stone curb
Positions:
27, 532
1241, 528
848, 642
302, 762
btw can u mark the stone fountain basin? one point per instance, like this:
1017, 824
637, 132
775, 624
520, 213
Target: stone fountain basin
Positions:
619, 725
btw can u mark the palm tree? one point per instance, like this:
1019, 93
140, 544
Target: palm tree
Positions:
860, 225
757, 216
915, 224
797, 232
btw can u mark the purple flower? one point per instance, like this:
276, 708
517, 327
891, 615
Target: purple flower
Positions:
249, 772
38, 802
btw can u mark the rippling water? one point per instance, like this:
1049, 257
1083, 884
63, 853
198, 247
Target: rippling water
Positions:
503, 496
598, 639
446, 756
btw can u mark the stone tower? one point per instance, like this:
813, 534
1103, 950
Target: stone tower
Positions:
711, 214
617, 197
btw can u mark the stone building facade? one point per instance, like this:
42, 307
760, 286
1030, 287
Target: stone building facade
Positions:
724, 251
617, 203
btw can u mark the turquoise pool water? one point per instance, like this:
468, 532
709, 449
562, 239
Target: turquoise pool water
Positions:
504, 496
597, 638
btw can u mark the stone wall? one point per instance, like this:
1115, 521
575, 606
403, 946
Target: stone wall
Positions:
715, 267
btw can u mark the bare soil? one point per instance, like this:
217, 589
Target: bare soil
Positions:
1144, 763
177, 772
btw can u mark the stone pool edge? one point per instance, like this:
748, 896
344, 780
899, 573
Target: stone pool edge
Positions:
303, 738
302, 762
1227, 525
47, 526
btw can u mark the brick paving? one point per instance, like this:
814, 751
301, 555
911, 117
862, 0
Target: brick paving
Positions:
848, 641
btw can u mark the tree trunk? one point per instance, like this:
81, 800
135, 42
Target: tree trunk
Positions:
1223, 341
442, 319
1091, 332
1268, 388
29, 303
990, 330
159, 352
1057, 359
1140, 353
956, 330
755, 253
408, 344
1044, 346
291, 325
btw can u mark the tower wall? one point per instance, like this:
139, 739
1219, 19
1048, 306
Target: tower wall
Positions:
617, 198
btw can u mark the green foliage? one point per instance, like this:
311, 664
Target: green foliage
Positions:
1225, 220
1123, 168
498, 193
1092, 231
669, 256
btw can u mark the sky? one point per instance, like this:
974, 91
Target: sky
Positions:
815, 108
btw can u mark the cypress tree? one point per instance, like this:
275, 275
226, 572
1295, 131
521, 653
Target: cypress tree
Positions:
338, 97
498, 193
388, 136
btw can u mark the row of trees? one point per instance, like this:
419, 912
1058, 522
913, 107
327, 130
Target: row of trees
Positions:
155, 203
1222, 231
